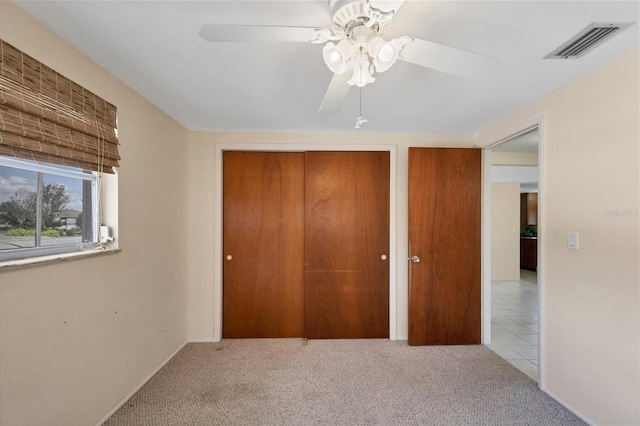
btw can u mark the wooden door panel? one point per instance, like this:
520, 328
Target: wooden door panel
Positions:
444, 231
263, 233
338, 306
346, 233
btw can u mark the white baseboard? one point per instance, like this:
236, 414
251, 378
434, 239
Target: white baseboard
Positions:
202, 341
570, 408
117, 407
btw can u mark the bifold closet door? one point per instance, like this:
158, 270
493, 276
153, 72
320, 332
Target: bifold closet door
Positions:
346, 237
263, 240
444, 246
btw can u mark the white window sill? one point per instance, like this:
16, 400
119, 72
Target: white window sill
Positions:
54, 258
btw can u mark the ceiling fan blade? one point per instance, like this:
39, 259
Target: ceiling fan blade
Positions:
336, 94
243, 33
447, 59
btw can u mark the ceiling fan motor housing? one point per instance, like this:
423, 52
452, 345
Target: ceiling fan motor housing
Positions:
347, 15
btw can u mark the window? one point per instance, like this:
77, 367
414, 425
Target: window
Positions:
58, 141
46, 209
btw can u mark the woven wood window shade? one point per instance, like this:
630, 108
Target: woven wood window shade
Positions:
46, 117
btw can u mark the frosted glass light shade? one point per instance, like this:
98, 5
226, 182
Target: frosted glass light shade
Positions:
362, 74
374, 46
337, 56
385, 54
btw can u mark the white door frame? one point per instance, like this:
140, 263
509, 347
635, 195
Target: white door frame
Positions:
491, 142
217, 261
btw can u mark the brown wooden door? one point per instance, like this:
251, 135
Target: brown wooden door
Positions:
444, 232
346, 244
263, 243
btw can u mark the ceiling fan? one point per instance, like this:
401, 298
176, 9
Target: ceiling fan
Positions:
354, 49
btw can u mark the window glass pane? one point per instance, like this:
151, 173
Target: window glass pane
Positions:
61, 210
65, 203
17, 208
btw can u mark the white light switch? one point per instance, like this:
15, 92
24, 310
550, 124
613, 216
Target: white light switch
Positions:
572, 241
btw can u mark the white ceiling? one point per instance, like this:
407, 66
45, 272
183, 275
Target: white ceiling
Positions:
154, 47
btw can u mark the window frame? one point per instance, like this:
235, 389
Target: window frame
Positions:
56, 170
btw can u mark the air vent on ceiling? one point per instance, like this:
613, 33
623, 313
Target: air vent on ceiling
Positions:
587, 39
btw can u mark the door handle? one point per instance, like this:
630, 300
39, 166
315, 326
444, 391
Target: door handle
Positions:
415, 259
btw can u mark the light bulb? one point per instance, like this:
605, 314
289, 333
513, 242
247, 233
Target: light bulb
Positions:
335, 56
386, 53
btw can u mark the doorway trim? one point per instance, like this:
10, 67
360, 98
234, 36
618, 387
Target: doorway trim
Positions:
281, 147
491, 142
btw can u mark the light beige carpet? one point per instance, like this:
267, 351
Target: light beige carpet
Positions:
339, 382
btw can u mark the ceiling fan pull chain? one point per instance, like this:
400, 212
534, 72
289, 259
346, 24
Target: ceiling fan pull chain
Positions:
360, 120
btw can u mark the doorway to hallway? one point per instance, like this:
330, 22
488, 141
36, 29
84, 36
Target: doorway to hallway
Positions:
514, 286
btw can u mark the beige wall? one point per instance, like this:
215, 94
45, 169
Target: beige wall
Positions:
77, 337
590, 304
505, 231
514, 159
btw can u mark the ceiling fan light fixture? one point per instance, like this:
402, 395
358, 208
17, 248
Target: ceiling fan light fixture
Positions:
388, 53
361, 48
336, 56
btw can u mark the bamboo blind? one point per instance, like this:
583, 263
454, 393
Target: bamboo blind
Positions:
44, 116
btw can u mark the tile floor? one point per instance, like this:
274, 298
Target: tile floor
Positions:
514, 321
